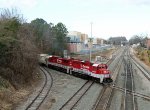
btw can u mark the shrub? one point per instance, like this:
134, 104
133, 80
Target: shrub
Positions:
18, 60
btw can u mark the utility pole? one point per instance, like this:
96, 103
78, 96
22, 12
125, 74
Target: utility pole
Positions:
91, 44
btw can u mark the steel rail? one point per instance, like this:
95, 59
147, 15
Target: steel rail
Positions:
40, 97
128, 84
139, 67
131, 92
69, 104
125, 84
133, 98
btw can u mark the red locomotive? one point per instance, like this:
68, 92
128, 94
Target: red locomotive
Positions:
98, 72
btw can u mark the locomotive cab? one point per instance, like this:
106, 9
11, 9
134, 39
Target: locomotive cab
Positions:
106, 75
102, 73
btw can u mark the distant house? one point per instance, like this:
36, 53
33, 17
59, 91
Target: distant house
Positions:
117, 40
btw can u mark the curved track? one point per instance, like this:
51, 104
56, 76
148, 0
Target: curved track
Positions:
37, 101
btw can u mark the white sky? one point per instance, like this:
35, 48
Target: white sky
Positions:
110, 18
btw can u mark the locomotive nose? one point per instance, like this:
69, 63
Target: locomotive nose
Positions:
107, 77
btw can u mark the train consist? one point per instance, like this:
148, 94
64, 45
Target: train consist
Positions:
77, 67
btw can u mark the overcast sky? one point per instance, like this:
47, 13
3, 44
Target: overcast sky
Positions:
108, 17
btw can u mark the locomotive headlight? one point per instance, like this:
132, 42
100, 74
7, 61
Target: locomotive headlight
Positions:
107, 75
104, 71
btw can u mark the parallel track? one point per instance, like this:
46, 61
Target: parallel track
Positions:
142, 69
104, 98
129, 99
128, 90
137, 94
70, 104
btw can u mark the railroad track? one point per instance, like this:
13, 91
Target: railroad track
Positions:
70, 104
104, 99
137, 94
36, 101
128, 90
105, 96
129, 99
141, 68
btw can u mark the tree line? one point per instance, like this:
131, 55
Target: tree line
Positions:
139, 39
21, 42
49, 38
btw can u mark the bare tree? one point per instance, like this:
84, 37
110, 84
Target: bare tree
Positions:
141, 39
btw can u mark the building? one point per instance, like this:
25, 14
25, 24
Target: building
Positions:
98, 41
74, 47
84, 38
76, 41
74, 36
117, 40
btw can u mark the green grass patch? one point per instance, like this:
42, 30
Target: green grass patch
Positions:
3, 83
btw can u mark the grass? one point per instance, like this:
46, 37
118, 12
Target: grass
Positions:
9, 97
5, 93
4, 84
143, 55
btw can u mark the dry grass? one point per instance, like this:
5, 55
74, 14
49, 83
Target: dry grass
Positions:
10, 98
143, 56
106, 53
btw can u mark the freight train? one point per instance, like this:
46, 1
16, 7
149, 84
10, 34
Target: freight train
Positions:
77, 67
